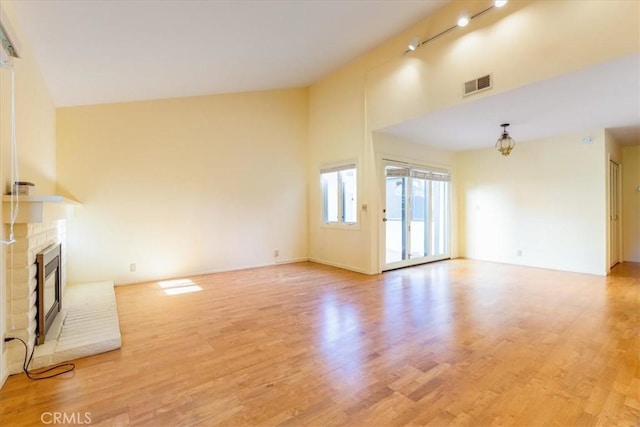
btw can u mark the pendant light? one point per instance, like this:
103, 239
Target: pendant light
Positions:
505, 143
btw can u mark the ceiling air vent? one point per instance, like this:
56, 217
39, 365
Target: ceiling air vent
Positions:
477, 85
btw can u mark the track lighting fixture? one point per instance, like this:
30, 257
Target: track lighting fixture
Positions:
463, 21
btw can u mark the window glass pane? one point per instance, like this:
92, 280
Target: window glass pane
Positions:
395, 224
349, 195
419, 224
440, 226
339, 189
330, 187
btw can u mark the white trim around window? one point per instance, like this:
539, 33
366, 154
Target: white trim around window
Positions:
339, 195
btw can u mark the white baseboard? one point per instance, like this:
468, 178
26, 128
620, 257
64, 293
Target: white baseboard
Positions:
3, 378
293, 261
214, 271
342, 266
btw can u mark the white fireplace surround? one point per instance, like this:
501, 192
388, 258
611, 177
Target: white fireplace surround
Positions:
38, 209
88, 321
31, 238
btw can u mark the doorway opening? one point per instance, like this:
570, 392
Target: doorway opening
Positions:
416, 215
614, 213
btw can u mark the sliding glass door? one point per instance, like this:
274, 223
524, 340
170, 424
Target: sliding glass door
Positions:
416, 215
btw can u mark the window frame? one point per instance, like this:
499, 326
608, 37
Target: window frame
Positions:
340, 195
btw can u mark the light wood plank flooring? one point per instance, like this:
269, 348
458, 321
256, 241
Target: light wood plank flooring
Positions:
446, 344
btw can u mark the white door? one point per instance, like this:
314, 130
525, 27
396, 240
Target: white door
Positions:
614, 213
416, 215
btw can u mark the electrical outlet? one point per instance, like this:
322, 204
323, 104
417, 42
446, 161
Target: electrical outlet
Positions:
132, 267
276, 253
519, 252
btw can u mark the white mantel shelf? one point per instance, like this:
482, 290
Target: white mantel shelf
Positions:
38, 209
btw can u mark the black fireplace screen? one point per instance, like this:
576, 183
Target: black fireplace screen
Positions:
49, 289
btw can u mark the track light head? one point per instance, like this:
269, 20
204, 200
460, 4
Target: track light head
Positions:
414, 43
463, 20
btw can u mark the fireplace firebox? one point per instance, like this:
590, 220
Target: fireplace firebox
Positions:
49, 287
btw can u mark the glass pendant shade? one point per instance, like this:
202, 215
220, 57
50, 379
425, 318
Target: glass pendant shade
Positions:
505, 143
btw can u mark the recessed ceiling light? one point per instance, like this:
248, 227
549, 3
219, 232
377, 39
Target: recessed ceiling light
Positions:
499, 3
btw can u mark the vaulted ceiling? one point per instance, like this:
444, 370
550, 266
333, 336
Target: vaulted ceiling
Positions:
111, 51
93, 52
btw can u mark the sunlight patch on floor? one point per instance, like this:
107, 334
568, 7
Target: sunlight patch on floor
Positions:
179, 286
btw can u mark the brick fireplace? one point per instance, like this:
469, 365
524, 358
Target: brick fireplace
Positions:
41, 223
22, 322
88, 322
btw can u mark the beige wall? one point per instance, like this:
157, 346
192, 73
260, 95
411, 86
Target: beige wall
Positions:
35, 126
336, 134
547, 199
522, 43
631, 203
390, 147
184, 186
35, 132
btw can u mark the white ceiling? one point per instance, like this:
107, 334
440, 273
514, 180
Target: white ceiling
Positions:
606, 95
101, 51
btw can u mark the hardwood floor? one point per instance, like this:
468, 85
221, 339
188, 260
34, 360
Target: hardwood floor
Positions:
446, 344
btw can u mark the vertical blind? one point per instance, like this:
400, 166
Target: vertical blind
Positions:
418, 172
